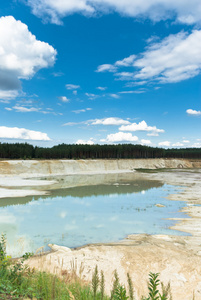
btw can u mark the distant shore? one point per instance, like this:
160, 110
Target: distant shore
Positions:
15, 174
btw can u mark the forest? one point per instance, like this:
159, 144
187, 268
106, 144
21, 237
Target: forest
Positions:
73, 151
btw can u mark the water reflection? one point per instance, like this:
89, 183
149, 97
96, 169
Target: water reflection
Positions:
77, 212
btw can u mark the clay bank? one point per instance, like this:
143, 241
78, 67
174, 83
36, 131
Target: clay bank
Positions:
176, 258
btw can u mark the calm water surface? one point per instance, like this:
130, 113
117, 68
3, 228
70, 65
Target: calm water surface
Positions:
79, 215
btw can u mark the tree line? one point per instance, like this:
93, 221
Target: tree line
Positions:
73, 151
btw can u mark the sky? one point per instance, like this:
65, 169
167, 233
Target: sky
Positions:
100, 72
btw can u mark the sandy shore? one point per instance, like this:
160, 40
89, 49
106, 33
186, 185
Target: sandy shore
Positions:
176, 258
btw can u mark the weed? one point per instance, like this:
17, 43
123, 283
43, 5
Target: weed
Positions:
130, 285
95, 282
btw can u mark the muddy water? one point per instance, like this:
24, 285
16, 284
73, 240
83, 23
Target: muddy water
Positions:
76, 212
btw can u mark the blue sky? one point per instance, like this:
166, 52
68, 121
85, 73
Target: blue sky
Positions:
101, 71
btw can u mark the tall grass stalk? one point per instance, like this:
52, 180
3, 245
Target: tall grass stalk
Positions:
130, 286
102, 285
95, 282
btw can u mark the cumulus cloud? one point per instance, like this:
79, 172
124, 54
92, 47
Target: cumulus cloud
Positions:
63, 99
165, 144
85, 142
178, 144
141, 126
193, 112
21, 55
145, 142
196, 145
120, 137
183, 11
110, 121
22, 134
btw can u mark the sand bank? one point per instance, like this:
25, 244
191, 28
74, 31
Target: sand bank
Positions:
39, 168
21, 173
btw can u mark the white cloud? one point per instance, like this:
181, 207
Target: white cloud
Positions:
196, 145
58, 74
193, 112
165, 143
115, 96
183, 11
25, 109
105, 121
21, 55
152, 134
20, 52
71, 124
186, 141
126, 62
110, 121
120, 137
145, 142
91, 96
176, 58
125, 76
106, 68
178, 144
101, 88
22, 134
64, 99
6, 96
81, 110
133, 92
70, 86
84, 142
141, 126
127, 92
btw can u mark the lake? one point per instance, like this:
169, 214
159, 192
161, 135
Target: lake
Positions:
89, 209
